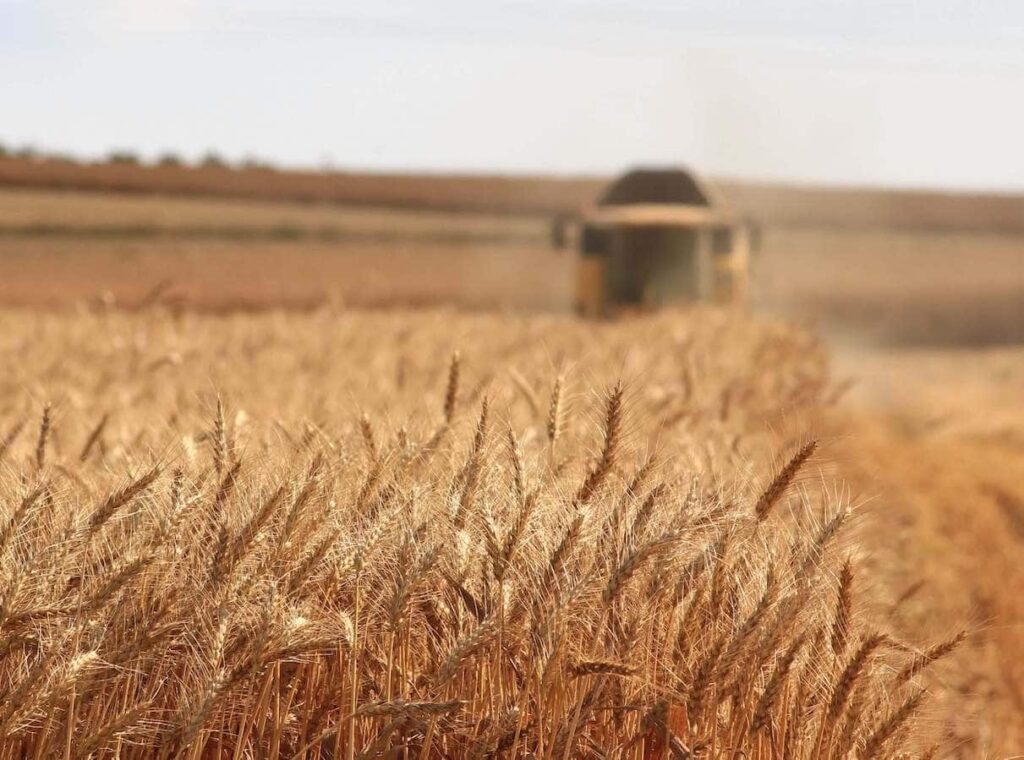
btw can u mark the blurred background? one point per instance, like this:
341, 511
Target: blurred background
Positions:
290, 153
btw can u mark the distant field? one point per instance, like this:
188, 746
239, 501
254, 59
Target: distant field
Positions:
766, 203
35, 213
521, 194
222, 274
57, 247
897, 285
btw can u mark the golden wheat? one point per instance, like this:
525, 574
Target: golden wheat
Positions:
353, 566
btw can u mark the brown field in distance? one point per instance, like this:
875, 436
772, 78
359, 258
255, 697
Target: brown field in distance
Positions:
518, 195
29, 213
438, 192
223, 274
901, 284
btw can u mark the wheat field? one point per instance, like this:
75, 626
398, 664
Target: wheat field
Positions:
846, 278
41, 212
425, 534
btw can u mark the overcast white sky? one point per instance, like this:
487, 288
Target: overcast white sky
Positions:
904, 92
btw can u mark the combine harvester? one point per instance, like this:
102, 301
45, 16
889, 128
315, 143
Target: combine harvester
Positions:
658, 237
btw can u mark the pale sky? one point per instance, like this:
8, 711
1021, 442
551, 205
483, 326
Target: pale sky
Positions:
925, 93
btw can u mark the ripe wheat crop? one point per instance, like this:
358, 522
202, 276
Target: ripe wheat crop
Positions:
426, 535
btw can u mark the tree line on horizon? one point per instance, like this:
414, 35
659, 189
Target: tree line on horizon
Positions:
210, 159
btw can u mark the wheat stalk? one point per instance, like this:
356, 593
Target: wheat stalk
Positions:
771, 495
